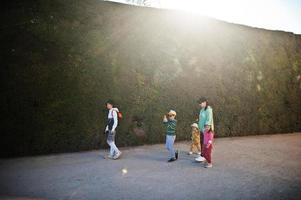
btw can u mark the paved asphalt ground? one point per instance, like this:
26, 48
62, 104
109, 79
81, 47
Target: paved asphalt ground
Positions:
254, 167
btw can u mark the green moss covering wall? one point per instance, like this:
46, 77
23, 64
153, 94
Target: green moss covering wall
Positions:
61, 60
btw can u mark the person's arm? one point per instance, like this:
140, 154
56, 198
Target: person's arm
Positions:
172, 124
210, 140
209, 117
115, 117
165, 119
107, 128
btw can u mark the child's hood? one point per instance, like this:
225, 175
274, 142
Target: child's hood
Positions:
115, 109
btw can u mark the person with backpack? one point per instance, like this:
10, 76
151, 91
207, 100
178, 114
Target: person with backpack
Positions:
110, 130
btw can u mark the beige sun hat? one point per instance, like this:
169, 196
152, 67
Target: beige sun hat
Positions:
195, 125
172, 112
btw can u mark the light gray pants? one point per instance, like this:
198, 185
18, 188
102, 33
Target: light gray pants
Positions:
111, 142
170, 140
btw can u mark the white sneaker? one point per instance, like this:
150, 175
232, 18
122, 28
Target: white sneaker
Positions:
110, 156
200, 159
117, 155
190, 153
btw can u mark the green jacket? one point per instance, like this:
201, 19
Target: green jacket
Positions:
206, 118
171, 127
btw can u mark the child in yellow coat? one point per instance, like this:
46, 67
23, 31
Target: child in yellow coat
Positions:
196, 140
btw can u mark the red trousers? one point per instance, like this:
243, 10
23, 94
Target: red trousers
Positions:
207, 152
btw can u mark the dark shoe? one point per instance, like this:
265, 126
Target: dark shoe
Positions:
177, 155
171, 160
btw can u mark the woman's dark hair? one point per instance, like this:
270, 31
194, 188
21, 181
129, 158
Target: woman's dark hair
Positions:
204, 99
110, 101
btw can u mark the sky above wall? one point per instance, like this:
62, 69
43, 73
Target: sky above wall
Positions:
269, 14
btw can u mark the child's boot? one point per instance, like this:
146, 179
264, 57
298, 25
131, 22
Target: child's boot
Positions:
208, 165
172, 159
117, 155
